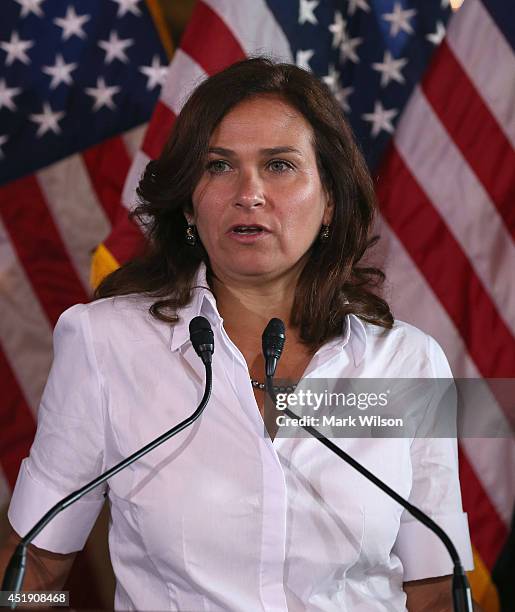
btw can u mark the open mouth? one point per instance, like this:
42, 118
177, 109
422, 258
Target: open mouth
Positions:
247, 229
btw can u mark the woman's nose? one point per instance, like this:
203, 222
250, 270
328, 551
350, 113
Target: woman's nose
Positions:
250, 192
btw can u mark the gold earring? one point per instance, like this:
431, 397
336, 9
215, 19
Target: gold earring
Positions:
324, 233
191, 235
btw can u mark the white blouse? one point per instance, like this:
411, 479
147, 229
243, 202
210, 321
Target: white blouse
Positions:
220, 518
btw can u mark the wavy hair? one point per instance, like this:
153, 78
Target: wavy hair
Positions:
335, 281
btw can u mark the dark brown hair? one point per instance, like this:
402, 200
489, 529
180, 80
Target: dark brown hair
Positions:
333, 283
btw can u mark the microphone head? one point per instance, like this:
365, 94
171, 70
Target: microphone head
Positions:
273, 344
201, 336
275, 327
274, 336
199, 323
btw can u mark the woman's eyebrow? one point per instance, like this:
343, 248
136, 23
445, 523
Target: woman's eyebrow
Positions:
277, 150
267, 151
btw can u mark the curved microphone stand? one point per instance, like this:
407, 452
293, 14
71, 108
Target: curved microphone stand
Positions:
202, 340
273, 342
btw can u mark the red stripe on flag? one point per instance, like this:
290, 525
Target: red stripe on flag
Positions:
212, 45
39, 247
16, 423
158, 130
446, 268
473, 129
209, 41
108, 164
125, 240
487, 529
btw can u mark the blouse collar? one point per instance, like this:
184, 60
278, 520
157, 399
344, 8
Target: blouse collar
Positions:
204, 303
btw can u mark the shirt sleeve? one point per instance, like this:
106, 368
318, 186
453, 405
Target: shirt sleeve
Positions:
68, 450
436, 491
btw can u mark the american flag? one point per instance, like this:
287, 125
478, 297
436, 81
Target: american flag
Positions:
431, 103
79, 80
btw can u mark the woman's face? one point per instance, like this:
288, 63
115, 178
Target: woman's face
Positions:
259, 204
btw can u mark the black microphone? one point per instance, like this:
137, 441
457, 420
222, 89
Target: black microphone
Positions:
461, 595
273, 344
201, 337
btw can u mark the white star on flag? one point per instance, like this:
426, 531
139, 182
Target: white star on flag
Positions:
303, 57
342, 95
306, 11
390, 69
381, 119
399, 19
437, 37
47, 120
356, 4
156, 73
72, 23
30, 6
331, 80
103, 94
16, 49
3, 140
60, 72
7, 94
115, 48
338, 29
127, 6
348, 49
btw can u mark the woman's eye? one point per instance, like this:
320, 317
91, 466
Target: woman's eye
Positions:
217, 166
279, 165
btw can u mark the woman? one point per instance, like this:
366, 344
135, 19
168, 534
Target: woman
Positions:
260, 206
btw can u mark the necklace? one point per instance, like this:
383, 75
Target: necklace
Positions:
281, 389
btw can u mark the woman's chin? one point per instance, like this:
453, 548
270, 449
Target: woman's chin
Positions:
255, 271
